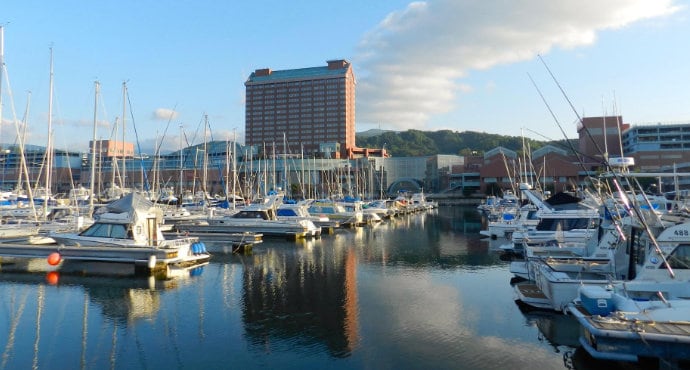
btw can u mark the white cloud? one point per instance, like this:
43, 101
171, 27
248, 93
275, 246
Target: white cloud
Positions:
164, 114
410, 65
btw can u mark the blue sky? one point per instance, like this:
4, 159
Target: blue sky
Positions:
429, 65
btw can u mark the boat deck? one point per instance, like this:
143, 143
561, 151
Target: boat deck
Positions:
628, 327
237, 239
530, 294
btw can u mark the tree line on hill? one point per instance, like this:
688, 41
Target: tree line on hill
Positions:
415, 143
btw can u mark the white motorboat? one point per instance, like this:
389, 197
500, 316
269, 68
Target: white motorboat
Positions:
526, 218
562, 217
128, 230
17, 230
299, 211
259, 218
335, 211
648, 316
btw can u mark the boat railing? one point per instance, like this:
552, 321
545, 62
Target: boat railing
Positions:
174, 243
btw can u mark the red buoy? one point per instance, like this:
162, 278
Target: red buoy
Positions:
53, 277
54, 258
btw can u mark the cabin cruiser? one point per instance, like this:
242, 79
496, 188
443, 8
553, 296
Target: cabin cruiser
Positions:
335, 211
128, 230
299, 211
383, 208
259, 218
357, 207
556, 272
526, 218
562, 217
647, 316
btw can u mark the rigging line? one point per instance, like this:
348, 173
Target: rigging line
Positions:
562, 145
570, 144
136, 134
636, 210
647, 202
156, 154
166, 129
616, 176
589, 134
197, 130
220, 171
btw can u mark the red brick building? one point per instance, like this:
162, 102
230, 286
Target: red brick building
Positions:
311, 109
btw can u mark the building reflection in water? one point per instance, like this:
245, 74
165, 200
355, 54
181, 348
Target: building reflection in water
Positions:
305, 295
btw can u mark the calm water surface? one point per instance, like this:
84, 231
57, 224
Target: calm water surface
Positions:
418, 292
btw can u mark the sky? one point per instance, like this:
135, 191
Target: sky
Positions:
508, 67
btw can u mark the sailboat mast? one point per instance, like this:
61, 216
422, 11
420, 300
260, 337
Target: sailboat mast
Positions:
227, 170
285, 168
93, 148
234, 166
2, 71
114, 160
205, 169
273, 162
49, 149
25, 169
124, 120
181, 191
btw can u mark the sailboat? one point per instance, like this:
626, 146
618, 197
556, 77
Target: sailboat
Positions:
20, 229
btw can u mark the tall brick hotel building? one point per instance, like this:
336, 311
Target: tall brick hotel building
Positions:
305, 110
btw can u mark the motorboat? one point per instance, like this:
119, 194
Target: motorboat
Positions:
299, 211
128, 230
259, 217
647, 316
336, 211
525, 218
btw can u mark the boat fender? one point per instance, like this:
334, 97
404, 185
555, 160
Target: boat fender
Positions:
195, 248
202, 248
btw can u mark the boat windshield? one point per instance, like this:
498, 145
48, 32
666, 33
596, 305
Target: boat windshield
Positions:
287, 212
680, 258
554, 224
105, 230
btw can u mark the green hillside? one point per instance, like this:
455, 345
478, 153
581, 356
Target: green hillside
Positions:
415, 143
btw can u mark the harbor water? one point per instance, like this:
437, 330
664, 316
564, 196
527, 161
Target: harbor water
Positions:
422, 291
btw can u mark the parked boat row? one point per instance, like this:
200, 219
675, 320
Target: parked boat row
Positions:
625, 278
131, 235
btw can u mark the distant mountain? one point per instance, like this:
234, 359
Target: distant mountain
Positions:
415, 143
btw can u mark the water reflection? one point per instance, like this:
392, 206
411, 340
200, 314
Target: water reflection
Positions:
76, 321
302, 295
556, 329
420, 291
120, 300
